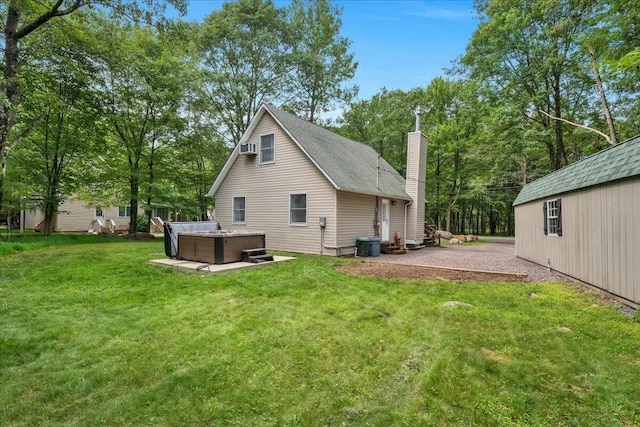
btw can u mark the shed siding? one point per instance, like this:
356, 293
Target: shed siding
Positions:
600, 237
267, 188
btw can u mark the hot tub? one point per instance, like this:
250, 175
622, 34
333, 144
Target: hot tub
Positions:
218, 247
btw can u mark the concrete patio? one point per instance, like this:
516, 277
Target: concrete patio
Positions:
215, 268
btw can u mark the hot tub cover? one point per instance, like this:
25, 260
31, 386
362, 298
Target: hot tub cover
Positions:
171, 230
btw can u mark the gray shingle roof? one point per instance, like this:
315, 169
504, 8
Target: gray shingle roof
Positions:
617, 162
352, 166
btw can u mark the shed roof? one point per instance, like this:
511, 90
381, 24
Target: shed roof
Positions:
614, 163
347, 164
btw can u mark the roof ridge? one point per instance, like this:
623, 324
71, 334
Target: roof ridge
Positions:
613, 163
349, 164
597, 153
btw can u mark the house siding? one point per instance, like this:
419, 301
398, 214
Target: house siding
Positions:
599, 239
267, 188
74, 215
356, 213
415, 185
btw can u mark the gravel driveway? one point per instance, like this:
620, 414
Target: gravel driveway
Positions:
496, 257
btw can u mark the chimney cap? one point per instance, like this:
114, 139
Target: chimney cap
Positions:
418, 111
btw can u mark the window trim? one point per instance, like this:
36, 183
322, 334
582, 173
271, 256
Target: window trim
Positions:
163, 208
306, 210
127, 210
555, 206
273, 148
233, 210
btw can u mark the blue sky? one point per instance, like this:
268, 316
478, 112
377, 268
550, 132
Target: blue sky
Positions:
399, 44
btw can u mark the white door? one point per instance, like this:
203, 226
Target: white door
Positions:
99, 215
386, 208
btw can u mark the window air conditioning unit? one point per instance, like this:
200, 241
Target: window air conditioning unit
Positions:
248, 149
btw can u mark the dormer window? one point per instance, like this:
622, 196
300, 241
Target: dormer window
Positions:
267, 149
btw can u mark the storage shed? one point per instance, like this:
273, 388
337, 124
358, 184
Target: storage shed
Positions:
584, 221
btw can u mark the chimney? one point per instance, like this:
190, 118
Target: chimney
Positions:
415, 182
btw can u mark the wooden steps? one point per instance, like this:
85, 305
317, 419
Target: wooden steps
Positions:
391, 248
431, 237
256, 255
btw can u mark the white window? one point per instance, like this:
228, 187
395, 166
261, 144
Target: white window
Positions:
99, 213
298, 209
553, 217
267, 149
124, 211
239, 210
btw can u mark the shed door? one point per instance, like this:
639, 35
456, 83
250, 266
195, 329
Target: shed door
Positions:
386, 208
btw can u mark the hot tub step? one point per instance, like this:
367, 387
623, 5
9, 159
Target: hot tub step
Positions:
256, 255
260, 258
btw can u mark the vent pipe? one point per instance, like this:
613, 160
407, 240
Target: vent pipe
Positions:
418, 112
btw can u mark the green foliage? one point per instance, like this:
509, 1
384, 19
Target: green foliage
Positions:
92, 334
142, 224
244, 53
320, 58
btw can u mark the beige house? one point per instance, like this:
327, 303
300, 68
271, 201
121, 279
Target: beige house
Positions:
75, 215
313, 191
584, 221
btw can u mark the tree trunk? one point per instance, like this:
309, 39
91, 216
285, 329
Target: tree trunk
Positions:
9, 87
561, 154
603, 98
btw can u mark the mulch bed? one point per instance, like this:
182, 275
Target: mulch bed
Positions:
414, 272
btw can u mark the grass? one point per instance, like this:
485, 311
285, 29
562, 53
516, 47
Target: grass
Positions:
91, 334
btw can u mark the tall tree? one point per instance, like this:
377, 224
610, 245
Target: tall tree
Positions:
528, 52
20, 19
321, 59
142, 85
246, 62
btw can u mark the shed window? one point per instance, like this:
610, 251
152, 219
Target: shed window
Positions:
267, 149
239, 210
98, 212
553, 217
298, 209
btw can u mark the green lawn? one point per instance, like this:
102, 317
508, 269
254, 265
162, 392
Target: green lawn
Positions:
91, 334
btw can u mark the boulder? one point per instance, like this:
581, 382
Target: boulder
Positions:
456, 304
444, 234
455, 241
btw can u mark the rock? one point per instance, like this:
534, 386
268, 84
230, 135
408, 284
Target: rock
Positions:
444, 234
564, 329
454, 241
456, 304
471, 238
533, 295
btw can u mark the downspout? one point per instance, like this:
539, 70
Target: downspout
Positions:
404, 238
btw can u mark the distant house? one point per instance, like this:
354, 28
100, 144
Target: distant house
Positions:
584, 220
75, 215
313, 191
